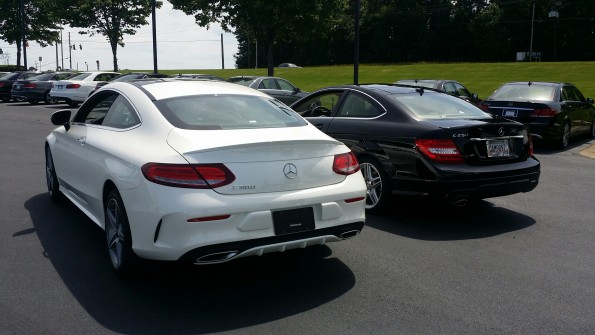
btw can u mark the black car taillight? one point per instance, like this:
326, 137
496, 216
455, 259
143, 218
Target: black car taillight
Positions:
73, 86
188, 175
443, 151
544, 112
30, 85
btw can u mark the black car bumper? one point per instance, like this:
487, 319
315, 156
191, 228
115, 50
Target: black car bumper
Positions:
474, 182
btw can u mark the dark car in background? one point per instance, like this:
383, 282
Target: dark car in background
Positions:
278, 88
201, 76
554, 111
417, 141
290, 65
130, 77
8, 80
37, 88
451, 87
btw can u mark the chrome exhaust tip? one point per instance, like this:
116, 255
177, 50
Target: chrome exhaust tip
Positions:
349, 234
217, 257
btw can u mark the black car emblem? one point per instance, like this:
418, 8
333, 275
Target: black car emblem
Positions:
290, 171
510, 103
501, 131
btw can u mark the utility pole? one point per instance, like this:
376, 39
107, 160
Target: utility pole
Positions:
23, 32
222, 57
531, 44
69, 53
62, 49
153, 5
356, 45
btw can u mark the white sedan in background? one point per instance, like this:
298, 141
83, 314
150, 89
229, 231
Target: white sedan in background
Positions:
201, 171
78, 88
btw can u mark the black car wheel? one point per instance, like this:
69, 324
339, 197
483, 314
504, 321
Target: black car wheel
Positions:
377, 184
565, 137
118, 236
5, 99
33, 101
73, 103
593, 128
49, 100
51, 176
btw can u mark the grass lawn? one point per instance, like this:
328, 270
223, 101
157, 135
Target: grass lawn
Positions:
480, 78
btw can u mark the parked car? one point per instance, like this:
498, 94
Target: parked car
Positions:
76, 89
451, 87
554, 111
416, 141
8, 80
201, 171
129, 77
199, 76
37, 88
288, 65
278, 88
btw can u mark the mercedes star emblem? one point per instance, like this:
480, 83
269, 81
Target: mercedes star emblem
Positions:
290, 171
501, 131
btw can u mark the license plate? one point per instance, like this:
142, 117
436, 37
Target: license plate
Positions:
60, 87
510, 113
498, 148
293, 220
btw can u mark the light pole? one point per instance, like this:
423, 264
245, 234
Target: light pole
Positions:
531, 44
556, 15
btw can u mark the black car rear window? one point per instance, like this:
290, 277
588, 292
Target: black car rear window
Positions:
525, 92
432, 105
227, 112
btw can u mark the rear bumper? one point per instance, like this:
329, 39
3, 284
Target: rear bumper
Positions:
477, 182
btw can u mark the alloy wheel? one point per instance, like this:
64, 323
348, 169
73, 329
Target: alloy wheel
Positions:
114, 232
373, 181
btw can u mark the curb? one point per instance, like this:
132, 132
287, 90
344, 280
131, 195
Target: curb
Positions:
589, 152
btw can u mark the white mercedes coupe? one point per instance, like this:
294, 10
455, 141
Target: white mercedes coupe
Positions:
202, 172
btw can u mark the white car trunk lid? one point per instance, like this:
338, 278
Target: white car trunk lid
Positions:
264, 160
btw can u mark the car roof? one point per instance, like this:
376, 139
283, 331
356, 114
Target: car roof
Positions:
164, 88
383, 89
541, 83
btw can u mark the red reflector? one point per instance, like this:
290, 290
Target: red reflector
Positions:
210, 218
544, 112
444, 151
73, 85
1, 84
345, 164
530, 149
188, 176
354, 199
30, 85
485, 108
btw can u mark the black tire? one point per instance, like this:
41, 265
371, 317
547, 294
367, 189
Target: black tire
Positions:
377, 183
33, 102
118, 236
592, 131
565, 136
5, 99
51, 176
73, 103
49, 100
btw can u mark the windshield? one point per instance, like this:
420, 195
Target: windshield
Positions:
42, 77
421, 83
241, 80
128, 77
524, 92
80, 76
432, 105
227, 112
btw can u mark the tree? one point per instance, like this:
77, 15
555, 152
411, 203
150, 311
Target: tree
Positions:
110, 18
267, 21
40, 24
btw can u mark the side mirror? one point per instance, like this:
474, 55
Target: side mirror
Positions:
297, 90
590, 100
61, 118
474, 96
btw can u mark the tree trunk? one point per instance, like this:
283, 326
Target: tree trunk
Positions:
114, 54
18, 53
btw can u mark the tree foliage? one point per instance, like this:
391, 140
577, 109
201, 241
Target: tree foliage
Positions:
40, 23
266, 21
110, 18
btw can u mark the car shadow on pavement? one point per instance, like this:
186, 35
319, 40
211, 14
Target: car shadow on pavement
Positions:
545, 148
166, 297
421, 219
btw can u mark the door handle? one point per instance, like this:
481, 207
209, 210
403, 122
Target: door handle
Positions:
82, 140
318, 125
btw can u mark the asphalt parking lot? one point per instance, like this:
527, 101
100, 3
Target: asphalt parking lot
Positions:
521, 264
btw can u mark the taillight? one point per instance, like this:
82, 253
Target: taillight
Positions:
485, 108
29, 85
188, 176
73, 85
544, 112
1, 84
443, 151
345, 164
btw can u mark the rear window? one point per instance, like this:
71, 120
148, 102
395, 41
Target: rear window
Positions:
524, 92
241, 80
80, 76
431, 105
227, 112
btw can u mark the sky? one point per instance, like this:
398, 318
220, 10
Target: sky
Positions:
181, 44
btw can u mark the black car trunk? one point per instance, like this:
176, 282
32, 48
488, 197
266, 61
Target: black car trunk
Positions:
521, 111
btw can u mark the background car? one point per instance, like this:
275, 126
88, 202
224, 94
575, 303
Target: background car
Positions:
199, 76
554, 111
201, 171
451, 87
129, 77
78, 88
288, 65
415, 141
8, 80
278, 88
37, 88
